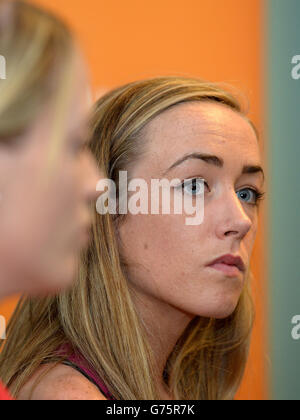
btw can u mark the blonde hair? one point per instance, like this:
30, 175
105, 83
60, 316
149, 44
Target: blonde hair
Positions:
39, 53
97, 317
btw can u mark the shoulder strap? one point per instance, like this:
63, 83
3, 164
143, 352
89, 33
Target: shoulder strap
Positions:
72, 365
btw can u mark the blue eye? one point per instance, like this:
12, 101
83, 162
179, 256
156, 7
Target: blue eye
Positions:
193, 186
257, 195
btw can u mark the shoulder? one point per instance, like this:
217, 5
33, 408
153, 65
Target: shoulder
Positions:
59, 383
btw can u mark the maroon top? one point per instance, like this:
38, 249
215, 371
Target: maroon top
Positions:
78, 362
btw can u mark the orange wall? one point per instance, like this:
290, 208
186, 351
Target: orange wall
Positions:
218, 40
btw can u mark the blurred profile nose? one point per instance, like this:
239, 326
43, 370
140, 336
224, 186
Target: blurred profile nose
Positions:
92, 176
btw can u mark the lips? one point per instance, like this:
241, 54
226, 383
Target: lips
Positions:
230, 260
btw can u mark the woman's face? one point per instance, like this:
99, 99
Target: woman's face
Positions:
44, 221
167, 259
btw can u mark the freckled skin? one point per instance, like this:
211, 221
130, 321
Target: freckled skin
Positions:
173, 268
174, 271
170, 282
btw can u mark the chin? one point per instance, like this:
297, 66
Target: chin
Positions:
218, 309
55, 282
225, 309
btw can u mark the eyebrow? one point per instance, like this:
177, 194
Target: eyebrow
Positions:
216, 161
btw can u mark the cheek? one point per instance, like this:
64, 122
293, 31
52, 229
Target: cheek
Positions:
166, 259
161, 245
51, 210
64, 192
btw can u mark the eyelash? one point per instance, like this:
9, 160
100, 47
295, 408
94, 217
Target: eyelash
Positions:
259, 195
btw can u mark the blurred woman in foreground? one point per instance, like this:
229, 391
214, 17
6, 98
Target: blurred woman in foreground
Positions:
47, 176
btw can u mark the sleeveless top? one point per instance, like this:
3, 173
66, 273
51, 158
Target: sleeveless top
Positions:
4, 395
78, 362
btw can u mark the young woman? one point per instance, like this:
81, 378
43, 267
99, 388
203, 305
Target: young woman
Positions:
47, 176
152, 315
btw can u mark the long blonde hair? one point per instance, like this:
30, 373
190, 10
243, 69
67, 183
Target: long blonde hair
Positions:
97, 317
39, 53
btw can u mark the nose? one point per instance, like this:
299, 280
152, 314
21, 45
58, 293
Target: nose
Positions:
92, 176
234, 221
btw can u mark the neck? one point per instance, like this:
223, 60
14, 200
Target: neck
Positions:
164, 324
